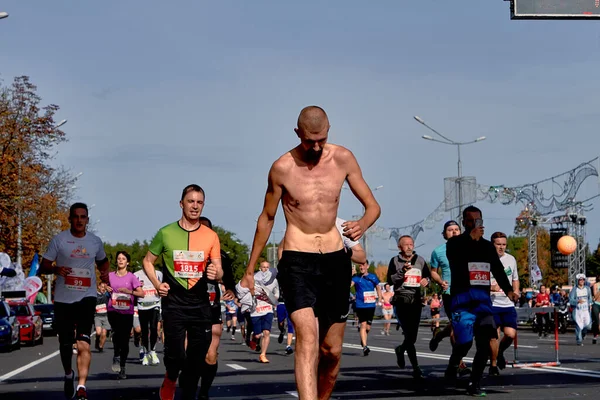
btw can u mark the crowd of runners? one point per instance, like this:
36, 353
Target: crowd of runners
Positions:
188, 302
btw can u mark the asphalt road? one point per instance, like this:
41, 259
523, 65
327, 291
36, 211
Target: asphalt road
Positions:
35, 372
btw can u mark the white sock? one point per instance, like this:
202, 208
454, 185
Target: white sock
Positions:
80, 386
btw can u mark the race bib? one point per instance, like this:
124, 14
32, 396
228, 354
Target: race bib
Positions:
80, 279
264, 309
412, 278
121, 301
101, 308
188, 264
479, 274
369, 297
150, 292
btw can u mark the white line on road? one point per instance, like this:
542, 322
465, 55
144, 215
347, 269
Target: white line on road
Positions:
527, 347
294, 394
557, 370
26, 367
236, 367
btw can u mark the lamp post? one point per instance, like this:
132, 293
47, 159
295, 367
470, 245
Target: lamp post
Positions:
459, 164
19, 216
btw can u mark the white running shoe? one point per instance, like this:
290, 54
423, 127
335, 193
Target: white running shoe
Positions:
146, 360
142, 353
154, 358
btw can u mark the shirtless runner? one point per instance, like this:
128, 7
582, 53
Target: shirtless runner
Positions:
313, 271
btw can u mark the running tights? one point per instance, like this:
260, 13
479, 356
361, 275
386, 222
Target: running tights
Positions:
149, 318
595, 319
121, 325
482, 343
179, 359
409, 316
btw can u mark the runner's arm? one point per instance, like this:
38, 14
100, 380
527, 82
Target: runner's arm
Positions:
266, 219
356, 229
358, 254
148, 265
138, 292
379, 294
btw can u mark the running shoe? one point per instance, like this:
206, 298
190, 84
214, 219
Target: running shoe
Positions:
475, 390
116, 365
494, 371
280, 338
154, 358
122, 374
434, 342
146, 360
417, 373
463, 370
81, 394
167, 389
400, 357
289, 350
75, 349
263, 359
232, 337
595, 339
366, 351
69, 385
142, 353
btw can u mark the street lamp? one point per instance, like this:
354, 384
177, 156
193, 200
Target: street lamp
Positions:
19, 216
452, 143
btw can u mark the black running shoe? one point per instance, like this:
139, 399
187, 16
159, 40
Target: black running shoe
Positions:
122, 374
366, 351
81, 394
434, 342
289, 350
400, 357
475, 390
417, 373
280, 338
494, 371
69, 386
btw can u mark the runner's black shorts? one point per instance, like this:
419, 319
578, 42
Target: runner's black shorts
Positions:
435, 311
215, 314
74, 321
319, 281
365, 315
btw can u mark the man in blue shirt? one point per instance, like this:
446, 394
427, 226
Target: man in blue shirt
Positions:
368, 293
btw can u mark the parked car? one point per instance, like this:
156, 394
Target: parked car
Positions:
10, 328
30, 320
47, 315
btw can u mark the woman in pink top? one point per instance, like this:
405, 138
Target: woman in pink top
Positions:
435, 311
123, 287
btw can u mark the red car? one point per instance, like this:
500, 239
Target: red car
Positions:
30, 321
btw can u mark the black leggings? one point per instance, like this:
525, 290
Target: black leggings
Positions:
121, 325
409, 316
595, 319
149, 317
189, 361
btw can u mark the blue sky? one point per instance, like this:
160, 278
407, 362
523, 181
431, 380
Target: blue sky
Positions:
159, 95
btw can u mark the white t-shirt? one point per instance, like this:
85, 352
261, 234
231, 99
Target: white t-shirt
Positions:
348, 243
79, 254
151, 298
499, 299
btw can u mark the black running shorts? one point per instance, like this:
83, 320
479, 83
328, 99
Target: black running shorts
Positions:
365, 315
319, 281
74, 321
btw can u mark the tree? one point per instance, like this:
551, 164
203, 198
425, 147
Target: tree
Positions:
236, 250
33, 194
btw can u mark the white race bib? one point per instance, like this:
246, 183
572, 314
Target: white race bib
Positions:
121, 301
188, 264
412, 278
80, 279
369, 297
101, 308
267, 308
479, 273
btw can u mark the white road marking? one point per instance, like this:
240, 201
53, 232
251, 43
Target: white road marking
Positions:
294, 394
236, 367
30, 365
527, 347
557, 370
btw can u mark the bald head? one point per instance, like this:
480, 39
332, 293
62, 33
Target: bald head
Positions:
313, 119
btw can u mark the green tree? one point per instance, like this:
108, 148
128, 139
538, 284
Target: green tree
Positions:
235, 249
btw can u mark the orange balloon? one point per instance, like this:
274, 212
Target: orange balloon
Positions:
567, 245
